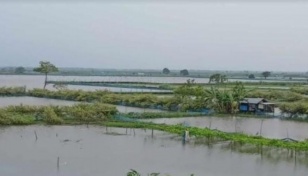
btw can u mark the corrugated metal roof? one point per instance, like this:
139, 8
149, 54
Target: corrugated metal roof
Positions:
253, 100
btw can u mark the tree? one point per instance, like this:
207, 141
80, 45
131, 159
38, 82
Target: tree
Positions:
166, 71
266, 74
251, 76
184, 72
20, 70
46, 68
218, 78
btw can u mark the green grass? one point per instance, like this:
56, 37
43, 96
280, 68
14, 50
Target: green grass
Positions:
215, 134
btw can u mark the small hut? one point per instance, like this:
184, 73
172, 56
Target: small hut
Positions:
256, 105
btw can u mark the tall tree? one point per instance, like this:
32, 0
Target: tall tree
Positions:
20, 70
166, 71
184, 72
266, 74
46, 68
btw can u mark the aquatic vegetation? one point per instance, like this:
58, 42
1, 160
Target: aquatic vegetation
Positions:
187, 98
295, 110
155, 115
7, 118
12, 91
214, 134
82, 113
299, 90
50, 117
133, 172
276, 95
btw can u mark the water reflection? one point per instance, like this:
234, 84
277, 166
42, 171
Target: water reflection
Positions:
268, 154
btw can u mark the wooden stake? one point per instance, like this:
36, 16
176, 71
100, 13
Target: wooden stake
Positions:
58, 163
35, 135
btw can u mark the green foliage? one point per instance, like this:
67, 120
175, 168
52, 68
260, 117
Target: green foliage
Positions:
133, 173
251, 76
295, 109
84, 113
24, 109
221, 100
20, 70
166, 71
46, 68
219, 135
218, 78
20, 119
7, 118
137, 100
303, 91
50, 117
12, 91
92, 112
155, 115
165, 86
184, 72
266, 74
225, 101
276, 95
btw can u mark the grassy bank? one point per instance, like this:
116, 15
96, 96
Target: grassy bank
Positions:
56, 115
187, 98
102, 114
214, 135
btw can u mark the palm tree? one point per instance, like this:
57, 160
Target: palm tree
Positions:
225, 101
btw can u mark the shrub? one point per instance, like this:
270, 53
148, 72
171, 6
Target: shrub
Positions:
50, 117
7, 118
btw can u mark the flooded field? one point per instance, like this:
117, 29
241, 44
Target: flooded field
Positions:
98, 151
6, 101
267, 127
33, 101
37, 81
113, 89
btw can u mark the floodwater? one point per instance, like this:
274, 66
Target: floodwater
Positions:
113, 89
34, 101
271, 127
98, 151
267, 127
36, 81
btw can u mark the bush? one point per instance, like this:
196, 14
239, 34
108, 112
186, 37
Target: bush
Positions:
91, 112
276, 95
294, 109
7, 118
12, 91
300, 90
50, 117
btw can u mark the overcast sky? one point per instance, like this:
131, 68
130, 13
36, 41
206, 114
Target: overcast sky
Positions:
206, 36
